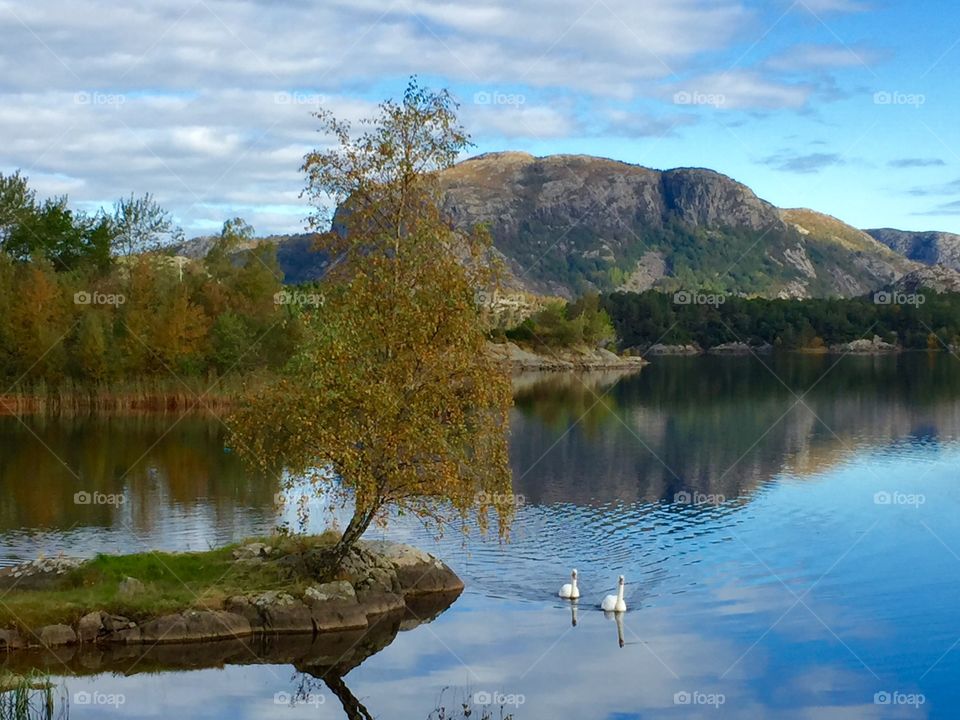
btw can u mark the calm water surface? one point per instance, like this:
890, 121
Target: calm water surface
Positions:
788, 529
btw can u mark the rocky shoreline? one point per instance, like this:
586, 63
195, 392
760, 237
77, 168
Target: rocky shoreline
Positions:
564, 359
732, 348
379, 578
863, 346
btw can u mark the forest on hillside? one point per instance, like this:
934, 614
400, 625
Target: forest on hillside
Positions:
918, 321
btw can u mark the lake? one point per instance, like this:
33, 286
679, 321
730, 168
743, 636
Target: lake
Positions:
788, 529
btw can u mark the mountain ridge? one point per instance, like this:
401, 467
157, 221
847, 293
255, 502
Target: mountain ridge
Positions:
568, 224
928, 247
682, 228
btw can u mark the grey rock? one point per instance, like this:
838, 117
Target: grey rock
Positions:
253, 552
740, 348
55, 635
377, 602
213, 624
241, 605
288, 618
90, 627
339, 590
661, 349
417, 572
865, 347
165, 629
118, 629
337, 615
115, 623
274, 598
195, 626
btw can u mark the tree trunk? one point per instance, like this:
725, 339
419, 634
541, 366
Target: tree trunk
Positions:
352, 707
358, 525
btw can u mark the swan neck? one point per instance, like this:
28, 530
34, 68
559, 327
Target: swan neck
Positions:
620, 592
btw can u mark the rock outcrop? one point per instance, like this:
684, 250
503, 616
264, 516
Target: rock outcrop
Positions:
521, 360
928, 248
740, 348
936, 278
379, 578
323, 654
876, 346
661, 349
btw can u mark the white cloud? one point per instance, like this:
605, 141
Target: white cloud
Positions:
96, 45
739, 90
824, 57
209, 101
839, 6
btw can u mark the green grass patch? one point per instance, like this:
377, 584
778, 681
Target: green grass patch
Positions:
172, 581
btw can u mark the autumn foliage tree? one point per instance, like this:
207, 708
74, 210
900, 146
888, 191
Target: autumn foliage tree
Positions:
79, 311
392, 402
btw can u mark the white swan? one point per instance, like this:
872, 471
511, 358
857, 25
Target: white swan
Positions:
570, 591
615, 603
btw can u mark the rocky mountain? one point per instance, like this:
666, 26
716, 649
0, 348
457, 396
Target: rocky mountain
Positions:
933, 277
865, 252
571, 223
928, 248
567, 224
295, 254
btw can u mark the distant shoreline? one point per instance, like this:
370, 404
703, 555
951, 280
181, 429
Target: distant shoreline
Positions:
562, 359
690, 351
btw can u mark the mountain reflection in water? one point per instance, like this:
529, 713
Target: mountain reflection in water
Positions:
760, 510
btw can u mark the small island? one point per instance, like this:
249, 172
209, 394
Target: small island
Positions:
262, 587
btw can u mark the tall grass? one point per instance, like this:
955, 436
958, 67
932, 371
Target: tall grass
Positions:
145, 395
31, 697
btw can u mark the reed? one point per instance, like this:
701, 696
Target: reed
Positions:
154, 395
31, 697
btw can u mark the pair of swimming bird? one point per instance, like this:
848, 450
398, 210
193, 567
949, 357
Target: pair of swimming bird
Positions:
611, 603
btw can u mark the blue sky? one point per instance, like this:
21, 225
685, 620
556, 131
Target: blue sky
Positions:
845, 106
